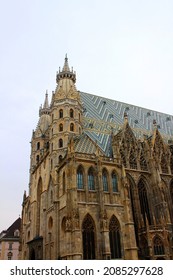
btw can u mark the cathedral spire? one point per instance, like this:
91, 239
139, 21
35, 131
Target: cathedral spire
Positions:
66, 66
46, 102
45, 109
66, 72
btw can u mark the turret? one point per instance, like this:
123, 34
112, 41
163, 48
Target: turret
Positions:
66, 113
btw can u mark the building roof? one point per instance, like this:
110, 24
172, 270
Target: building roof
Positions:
9, 233
103, 116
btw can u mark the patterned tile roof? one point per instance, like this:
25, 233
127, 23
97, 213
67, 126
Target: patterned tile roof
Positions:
84, 144
102, 115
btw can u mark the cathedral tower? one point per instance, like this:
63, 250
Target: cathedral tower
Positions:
66, 113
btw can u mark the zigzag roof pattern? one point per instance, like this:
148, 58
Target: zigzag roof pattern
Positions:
103, 116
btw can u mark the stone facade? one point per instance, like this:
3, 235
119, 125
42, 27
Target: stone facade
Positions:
87, 202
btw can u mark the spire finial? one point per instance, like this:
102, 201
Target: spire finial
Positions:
46, 103
66, 73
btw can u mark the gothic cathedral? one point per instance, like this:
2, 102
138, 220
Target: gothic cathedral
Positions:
101, 179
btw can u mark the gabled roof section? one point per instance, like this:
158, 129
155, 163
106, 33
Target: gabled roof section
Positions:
10, 231
103, 116
84, 144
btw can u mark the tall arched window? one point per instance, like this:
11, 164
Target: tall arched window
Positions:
91, 183
60, 113
114, 238
105, 180
60, 143
114, 182
39, 191
61, 127
71, 127
88, 238
63, 182
71, 113
80, 178
158, 246
144, 201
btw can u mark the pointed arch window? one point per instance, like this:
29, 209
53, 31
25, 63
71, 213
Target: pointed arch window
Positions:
39, 191
144, 201
91, 183
114, 182
61, 113
71, 127
63, 182
60, 143
105, 180
80, 178
71, 113
158, 246
114, 238
88, 238
61, 127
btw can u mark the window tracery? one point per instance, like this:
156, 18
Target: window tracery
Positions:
158, 246
91, 182
80, 178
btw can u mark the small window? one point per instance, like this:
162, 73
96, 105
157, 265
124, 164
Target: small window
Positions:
10, 246
71, 127
71, 113
16, 233
61, 127
37, 158
38, 146
60, 113
60, 143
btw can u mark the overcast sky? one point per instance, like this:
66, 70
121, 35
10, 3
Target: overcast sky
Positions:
120, 49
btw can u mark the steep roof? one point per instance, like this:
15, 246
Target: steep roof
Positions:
10, 231
103, 116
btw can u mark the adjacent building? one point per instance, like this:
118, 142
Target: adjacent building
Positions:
10, 242
101, 179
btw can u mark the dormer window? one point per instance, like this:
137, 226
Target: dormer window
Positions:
16, 233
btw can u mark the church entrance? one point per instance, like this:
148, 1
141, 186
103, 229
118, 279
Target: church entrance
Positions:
88, 236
